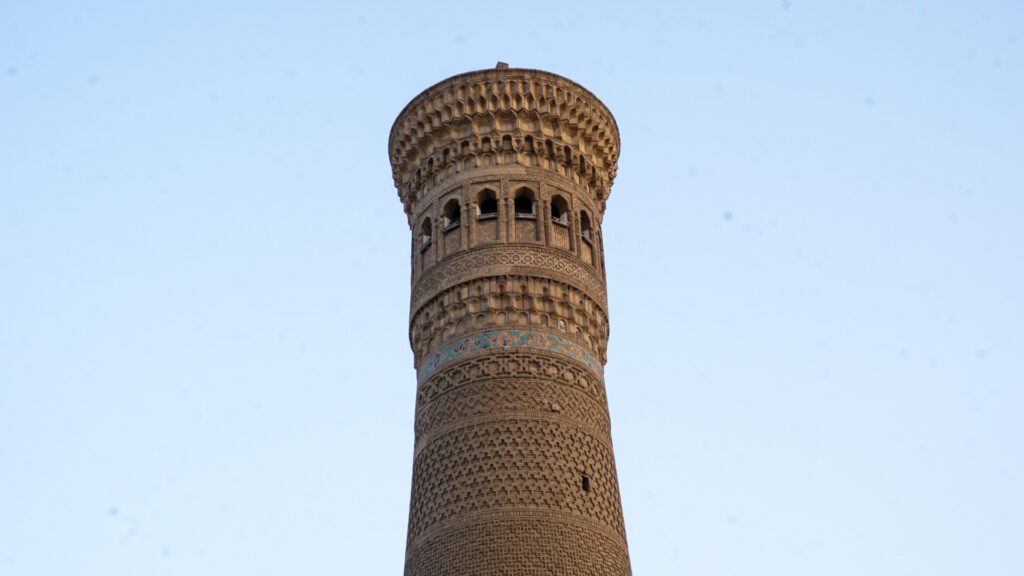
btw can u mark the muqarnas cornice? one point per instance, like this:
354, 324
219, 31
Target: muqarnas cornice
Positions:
501, 117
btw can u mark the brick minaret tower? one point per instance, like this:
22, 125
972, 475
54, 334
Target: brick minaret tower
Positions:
504, 175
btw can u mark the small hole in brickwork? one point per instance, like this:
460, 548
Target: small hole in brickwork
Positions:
586, 483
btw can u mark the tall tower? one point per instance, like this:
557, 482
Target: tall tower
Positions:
504, 175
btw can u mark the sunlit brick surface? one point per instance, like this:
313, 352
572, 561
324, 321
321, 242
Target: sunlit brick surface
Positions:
504, 175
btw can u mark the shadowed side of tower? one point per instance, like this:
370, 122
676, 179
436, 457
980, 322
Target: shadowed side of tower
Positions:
504, 175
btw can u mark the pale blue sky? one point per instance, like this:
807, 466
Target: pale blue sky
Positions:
814, 254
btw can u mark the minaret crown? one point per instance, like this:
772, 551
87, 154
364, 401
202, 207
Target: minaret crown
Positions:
503, 116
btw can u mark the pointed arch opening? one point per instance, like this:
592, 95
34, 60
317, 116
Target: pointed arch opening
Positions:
426, 234
525, 203
452, 215
486, 204
559, 210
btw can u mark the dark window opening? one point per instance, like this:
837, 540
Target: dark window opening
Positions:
524, 207
585, 228
487, 204
585, 484
452, 215
426, 236
524, 204
489, 207
560, 211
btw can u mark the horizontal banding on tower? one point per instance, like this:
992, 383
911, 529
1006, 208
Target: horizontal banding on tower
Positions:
508, 339
504, 176
492, 261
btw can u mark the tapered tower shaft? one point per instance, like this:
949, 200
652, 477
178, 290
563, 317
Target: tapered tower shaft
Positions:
504, 175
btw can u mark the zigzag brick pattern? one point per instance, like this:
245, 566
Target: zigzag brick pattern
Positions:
516, 462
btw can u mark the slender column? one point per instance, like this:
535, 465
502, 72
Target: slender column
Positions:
543, 217
464, 211
502, 216
577, 234
436, 233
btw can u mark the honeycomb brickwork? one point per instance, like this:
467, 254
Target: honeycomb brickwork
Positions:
504, 175
514, 462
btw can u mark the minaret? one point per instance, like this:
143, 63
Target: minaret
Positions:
504, 174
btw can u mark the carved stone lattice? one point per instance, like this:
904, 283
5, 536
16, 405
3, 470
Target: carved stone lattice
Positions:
504, 175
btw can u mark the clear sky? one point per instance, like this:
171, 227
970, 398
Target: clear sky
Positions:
815, 272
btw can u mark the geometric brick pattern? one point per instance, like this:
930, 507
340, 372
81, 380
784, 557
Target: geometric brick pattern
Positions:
480, 397
512, 364
496, 260
504, 175
499, 301
521, 462
518, 545
500, 339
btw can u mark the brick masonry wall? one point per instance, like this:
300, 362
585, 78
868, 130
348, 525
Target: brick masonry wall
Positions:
513, 467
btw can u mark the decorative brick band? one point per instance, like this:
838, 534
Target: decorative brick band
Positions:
477, 521
498, 339
601, 436
504, 260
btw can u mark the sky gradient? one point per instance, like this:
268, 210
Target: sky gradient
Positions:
814, 251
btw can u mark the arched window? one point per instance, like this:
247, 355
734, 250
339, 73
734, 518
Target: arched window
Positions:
487, 204
426, 234
585, 228
559, 211
452, 215
525, 205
